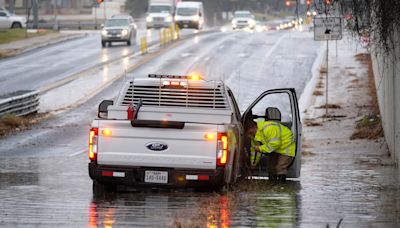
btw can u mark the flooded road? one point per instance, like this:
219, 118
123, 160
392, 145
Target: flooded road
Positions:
56, 192
44, 178
33, 194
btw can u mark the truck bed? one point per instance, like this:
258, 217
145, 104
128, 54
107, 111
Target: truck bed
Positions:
157, 147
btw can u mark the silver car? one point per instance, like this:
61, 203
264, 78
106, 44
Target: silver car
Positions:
119, 29
9, 20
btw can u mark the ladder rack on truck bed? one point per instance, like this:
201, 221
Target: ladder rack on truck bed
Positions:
175, 91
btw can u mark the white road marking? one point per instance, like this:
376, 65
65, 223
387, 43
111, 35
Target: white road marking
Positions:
78, 153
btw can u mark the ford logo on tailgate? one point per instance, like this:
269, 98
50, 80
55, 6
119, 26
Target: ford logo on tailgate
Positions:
156, 146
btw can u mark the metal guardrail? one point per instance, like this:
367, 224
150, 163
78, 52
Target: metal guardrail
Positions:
77, 24
19, 103
73, 25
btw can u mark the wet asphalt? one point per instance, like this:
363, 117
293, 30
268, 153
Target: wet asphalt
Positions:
44, 180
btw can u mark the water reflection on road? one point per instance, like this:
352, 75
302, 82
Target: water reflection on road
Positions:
252, 203
56, 192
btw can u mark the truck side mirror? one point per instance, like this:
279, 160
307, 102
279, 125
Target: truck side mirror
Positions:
102, 111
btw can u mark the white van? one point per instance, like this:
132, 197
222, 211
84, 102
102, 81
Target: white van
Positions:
189, 15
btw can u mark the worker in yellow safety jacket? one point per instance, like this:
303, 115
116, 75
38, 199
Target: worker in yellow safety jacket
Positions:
275, 140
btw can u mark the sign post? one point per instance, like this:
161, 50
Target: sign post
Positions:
327, 28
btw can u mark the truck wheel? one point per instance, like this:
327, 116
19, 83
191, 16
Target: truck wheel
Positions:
128, 43
216, 188
100, 189
103, 44
235, 169
16, 25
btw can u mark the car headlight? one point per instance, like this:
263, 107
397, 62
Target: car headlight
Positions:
124, 32
149, 19
196, 18
252, 22
168, 19
104, 32
234, 22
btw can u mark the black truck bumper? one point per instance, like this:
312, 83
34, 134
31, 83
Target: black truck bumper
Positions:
177, 178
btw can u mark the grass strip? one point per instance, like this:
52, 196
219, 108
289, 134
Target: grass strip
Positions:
11, 35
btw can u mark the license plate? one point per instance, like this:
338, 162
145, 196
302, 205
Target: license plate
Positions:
185, 25
156, 177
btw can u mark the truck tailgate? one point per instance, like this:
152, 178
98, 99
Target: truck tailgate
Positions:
157, 147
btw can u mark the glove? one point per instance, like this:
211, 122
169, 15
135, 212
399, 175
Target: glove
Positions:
256, 148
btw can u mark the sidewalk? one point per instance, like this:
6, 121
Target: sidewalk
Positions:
353, 183
22, 46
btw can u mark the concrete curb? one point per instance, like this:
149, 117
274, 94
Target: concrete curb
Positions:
305, 100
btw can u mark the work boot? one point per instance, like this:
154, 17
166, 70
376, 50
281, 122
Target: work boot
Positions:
273, 177
281, 178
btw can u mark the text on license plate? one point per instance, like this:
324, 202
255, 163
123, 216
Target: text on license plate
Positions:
156, 177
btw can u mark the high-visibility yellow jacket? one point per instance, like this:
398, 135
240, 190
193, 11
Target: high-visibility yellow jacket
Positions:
275, 137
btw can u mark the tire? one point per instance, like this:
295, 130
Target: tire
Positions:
100, 189
235, 168
110, 44
210, 189
128, 43
16, 25
103, 43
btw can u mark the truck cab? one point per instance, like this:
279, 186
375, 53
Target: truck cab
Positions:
285, 101
169, 131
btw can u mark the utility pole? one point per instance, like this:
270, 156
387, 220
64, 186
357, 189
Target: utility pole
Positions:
11, 6
297, 11
95, 15
104, 11
55, 15
35, 14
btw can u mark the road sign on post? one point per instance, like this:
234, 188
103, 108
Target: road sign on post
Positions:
327, 28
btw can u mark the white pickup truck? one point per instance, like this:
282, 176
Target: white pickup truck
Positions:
179, 131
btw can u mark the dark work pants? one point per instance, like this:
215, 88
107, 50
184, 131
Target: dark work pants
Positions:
278, 164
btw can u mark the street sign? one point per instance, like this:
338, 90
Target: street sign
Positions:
327, 28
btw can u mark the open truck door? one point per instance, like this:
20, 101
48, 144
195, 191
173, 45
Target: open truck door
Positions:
285, 100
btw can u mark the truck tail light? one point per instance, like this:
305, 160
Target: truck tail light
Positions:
93, 138
222, 149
